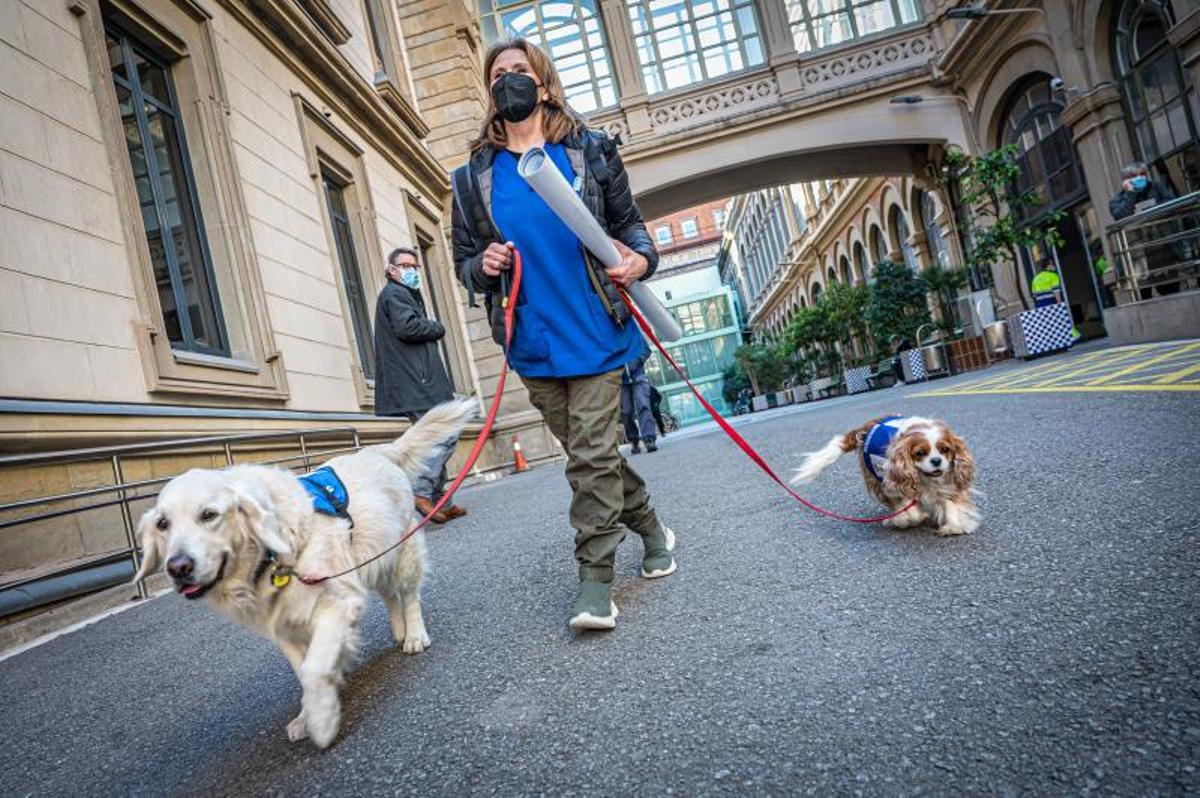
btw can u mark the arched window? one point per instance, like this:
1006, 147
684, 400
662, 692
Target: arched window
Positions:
860, 258
831, 274
1045, 153
1161, 106
571, 33
939, 253
847, 275
900, 236
815, 291
879, 247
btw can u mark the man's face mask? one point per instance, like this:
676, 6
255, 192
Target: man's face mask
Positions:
1140, 182
515, 96
410, 277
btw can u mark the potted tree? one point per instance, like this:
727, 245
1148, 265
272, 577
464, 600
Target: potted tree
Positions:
896, 310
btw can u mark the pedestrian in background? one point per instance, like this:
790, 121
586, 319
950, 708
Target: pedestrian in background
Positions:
410, 375
636, 414
573, 330
656, 410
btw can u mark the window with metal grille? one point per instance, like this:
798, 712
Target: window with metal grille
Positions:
1045, 152
680, 42
824, 23
1163, 110
166, 192
570, 32
356, 299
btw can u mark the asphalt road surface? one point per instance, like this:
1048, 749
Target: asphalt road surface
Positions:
1053, 652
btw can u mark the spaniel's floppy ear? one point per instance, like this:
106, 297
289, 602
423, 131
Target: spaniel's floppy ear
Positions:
153, 544
902, 470
263, 522
963, 470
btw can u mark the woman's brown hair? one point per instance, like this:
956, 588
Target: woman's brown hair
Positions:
558, 120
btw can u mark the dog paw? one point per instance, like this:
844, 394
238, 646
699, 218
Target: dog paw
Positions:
297, 729
416, 644
906, 520
322, 712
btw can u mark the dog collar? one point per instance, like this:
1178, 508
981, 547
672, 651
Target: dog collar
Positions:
280, 574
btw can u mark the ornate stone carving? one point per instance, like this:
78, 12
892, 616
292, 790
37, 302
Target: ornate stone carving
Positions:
710, 105
618, 128
859, 65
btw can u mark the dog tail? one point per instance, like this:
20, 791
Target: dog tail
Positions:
412, 450
816, 462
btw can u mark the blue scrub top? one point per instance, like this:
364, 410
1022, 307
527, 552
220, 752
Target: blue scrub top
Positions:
562, 329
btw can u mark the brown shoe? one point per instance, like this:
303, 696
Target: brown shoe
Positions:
453, 511
425, 507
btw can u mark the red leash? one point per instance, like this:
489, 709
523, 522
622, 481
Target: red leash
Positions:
736, 437
510, 305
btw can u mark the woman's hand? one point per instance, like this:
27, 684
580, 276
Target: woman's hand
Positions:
631, 267
497, 258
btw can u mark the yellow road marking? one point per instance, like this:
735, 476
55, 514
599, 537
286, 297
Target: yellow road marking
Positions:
1142, 364
1177, 376
1093, 366
1035, 371
1186, 386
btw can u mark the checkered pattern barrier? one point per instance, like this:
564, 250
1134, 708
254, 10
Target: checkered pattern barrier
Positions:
856, 379
914, 366
1041, 330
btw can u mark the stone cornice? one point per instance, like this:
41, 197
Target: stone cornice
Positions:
1094, 109
327, 20
977, 42
385, 119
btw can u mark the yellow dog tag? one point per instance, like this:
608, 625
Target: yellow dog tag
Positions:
280, 579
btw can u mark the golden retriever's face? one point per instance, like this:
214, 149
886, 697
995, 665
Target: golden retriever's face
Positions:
199, 528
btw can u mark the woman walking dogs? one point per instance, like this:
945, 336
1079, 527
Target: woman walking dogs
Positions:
573, 330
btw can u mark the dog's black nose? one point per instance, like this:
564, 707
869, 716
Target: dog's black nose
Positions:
936, 462
180, 566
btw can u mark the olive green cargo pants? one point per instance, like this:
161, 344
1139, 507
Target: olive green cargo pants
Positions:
607, 494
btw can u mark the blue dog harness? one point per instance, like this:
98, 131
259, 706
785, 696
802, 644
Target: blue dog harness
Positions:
329, 495
875, 444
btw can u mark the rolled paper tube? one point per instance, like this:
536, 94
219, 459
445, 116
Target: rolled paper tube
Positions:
536, 168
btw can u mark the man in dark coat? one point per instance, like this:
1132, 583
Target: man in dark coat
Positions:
635, 406
1137, 187
410, 376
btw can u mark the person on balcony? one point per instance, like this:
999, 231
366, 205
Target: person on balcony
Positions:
411, 377
1137, 187
573, 329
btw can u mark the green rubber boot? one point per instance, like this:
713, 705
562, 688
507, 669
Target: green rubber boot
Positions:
657, 560
594, 609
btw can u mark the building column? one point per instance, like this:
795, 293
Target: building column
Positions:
1097, 122
631, 92
781, 48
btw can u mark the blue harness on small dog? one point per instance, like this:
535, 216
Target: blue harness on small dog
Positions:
875, 444
329, 495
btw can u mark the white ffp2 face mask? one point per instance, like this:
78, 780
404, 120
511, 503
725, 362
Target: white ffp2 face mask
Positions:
411, 278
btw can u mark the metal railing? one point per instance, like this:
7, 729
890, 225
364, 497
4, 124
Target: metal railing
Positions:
1157, 252
122, 493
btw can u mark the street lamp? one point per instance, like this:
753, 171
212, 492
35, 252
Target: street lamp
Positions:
980, 10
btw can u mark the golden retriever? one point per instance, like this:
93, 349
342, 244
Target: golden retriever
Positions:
239, 537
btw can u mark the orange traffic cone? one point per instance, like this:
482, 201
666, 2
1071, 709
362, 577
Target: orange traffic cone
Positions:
519, 462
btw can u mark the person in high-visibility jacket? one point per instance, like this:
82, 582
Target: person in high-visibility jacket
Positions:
1046, 285
1047, 289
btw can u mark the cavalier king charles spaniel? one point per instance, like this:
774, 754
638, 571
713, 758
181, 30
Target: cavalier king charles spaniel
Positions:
903, 458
